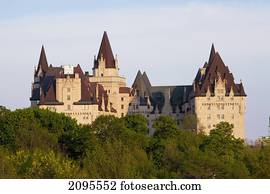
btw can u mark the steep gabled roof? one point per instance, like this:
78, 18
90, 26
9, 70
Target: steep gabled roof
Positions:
79, 70
43, 63
146, 80
142, 84
49, 97
137, 78
215, 68
105, 51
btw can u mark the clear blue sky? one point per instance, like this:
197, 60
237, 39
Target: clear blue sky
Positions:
169, 37
19, 8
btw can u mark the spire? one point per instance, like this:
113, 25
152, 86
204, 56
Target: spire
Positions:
212, 54
42, 64
137, 78
105, 51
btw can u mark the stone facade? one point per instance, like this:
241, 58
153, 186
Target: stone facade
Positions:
69, 90
213, 97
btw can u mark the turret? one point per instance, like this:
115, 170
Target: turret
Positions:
42, 64
105, 64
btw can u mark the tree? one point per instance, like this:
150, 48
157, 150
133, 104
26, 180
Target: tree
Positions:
114, 159
78, 141
165, 127
137, 123
41, 164
189, 122
109, 127
222, 142
7, 170
7, 131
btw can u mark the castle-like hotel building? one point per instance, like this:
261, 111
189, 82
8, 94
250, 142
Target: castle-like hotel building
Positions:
213, 96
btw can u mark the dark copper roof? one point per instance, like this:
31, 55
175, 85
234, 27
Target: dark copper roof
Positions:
105, 51
43, 63
214, 69
124, 90
49, 97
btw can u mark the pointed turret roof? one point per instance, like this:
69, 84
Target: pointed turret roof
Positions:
212, 54
105, 51
43, 63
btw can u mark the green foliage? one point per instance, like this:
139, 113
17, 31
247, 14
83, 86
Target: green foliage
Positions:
7, 131
76, 142
223, 143
109, 127
7, 170
40, 164
38, 143
136, 122
165, 127
189, 122
115, 160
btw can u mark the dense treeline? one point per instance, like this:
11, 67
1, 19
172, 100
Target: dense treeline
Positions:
42, 144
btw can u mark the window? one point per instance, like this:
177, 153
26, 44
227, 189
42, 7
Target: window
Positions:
122, 98
102, 75
148, 106
129, 104
208, 98
122, 114
218, 106
218, 116
68, 89
122, 106
137, 107
68, 97
232, 116
222, 116
209, 107
68, 107
222, 107
209, 126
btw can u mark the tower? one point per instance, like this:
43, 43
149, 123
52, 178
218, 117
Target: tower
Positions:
106, 73
105, 64
217, 97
